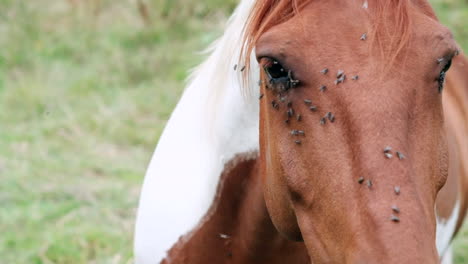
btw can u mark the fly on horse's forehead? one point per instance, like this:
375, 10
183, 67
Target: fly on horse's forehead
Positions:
355, 78
307, 101
298, 142
339, 74
313, 108
323, 121
397, 190
361, 180
323, 88
395, 218
369, 183
330, 117
400, 155
290, 112
387, 151
340, 79
324, 71
395, 209
299, 118
440, 60
364, 36
297, 133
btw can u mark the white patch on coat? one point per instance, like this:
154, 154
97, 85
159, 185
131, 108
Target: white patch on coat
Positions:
212, 122
446, 229
448, 256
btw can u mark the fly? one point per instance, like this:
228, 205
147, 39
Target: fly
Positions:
339, 74
395, 209
341, 79
395, 218
400, 155
323, 121
297, 133
275, 104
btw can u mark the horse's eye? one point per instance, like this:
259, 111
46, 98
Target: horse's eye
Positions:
279, 79
273, 68
441, 79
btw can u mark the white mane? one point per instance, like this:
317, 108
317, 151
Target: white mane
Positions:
212, 123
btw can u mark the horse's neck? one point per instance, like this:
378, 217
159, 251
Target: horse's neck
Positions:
237, 227
212, 123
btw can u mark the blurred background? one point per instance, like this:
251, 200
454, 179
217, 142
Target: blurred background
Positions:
86, 87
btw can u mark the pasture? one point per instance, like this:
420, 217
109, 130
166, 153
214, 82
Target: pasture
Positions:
86, 87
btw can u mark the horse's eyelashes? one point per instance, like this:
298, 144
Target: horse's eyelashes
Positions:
441, 78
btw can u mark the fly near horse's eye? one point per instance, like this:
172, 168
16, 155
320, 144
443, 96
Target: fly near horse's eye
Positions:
279, 78
441, 78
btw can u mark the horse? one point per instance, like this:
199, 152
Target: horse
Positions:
350, 148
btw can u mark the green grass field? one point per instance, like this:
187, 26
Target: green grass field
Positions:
86, 87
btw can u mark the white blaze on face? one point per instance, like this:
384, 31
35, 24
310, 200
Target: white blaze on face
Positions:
446, 229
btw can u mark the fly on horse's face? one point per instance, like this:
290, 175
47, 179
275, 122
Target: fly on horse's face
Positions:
334, 185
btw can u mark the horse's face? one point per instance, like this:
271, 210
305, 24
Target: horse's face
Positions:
328, 178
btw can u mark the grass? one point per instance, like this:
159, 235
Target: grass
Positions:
85, 90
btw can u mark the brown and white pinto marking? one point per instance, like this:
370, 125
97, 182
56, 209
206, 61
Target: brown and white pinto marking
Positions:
322, 189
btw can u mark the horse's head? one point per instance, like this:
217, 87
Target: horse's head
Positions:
352, 140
